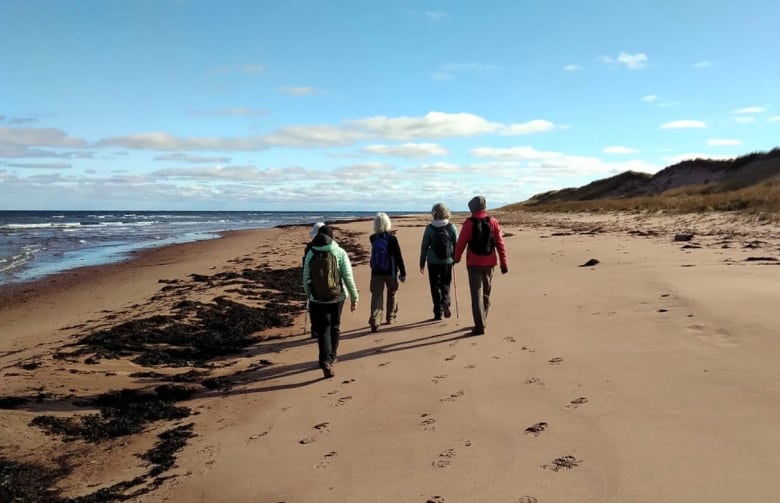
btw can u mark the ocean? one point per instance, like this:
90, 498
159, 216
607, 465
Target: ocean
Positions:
35, 244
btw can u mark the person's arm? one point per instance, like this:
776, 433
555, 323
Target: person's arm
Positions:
463, 239
426, 243
399, 259
345, 269
499, 238
306, 273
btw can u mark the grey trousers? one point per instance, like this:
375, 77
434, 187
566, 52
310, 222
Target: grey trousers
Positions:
378, 284
480, 280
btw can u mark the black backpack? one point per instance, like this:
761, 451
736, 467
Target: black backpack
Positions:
443, 245
482, 241
324, 276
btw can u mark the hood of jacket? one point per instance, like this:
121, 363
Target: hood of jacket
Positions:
479, 214
323, 242
440, 222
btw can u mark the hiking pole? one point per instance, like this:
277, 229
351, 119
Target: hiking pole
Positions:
306, 318
455, 285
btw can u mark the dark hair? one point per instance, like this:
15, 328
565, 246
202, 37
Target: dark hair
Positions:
327, 230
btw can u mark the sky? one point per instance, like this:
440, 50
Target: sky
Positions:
386, 105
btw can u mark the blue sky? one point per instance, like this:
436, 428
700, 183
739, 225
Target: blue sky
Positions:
369, 104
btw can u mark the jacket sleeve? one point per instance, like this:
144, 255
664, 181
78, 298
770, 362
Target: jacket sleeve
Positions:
463, 239
495, 227
345, 269
306, 273
426, 243
399, 258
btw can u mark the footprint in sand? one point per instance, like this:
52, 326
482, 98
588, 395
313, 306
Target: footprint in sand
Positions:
322, 428
555, 361
452, 397
526, 348
527, 499
510, 338
471, 366
383, 364
427, 423
444, 458
537, 428
341, 401
438, 378
562, 463
435, 499
326, 460
348, 381
450, 358
535, 381
306, 440
577, 402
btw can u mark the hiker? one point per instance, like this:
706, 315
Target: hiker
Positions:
327, 281
482, 235
438, 249
387, 269
315, 229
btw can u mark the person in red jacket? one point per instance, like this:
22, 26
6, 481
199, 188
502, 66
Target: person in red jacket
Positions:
481, 234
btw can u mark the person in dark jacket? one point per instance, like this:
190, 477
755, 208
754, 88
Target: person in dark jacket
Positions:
439, 267
387, 269
480, 266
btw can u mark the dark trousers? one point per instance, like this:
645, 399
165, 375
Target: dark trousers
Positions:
326, 325
480, 280
440, 278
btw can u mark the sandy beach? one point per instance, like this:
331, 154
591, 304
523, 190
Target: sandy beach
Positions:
650, 376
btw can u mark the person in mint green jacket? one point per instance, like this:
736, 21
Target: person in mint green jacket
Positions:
325, 309
438, 247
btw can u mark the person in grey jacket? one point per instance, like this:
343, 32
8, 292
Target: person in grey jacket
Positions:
439, 267
326, 315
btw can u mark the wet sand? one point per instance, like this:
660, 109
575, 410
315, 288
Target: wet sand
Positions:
187, 374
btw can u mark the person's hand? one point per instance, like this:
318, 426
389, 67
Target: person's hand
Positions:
422, 270
402, 279
504, 269
353, 306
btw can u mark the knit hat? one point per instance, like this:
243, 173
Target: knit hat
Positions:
440, 211
477, 203
315, 229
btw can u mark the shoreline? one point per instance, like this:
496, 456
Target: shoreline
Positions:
547, 405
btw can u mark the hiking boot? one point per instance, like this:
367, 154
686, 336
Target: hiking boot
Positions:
437, 317
327, 370
374, 328
446, 309
477, 331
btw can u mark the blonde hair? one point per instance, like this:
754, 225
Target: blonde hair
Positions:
382, 223
440, 212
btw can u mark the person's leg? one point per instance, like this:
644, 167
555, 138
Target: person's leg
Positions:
319, 325
335, 330
434, 279
477, 308
445, 281
392, 298
487, 282
377, 287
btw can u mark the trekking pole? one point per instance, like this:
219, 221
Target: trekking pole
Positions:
455, 285
306, 318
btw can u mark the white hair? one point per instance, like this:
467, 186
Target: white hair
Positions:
381, 223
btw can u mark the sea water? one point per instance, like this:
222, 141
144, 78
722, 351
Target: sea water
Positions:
34, 244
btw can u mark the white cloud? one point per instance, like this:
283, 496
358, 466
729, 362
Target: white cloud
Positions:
744, 119
630, 61
436, 168
42, 165
432, 125
650, 98
774, 118
703, 64
620, 150
233, 112
406, 150
31, 137
313, 136
518, 153
435, 15
749, 110
684, 124
723, 142
192, 159
233, 173
530, 127
300, 90
572, 68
